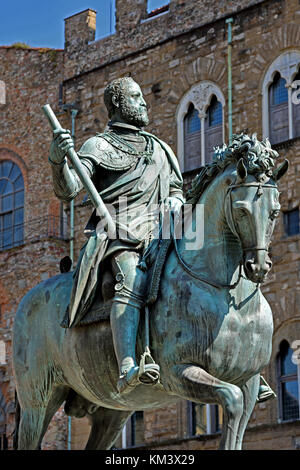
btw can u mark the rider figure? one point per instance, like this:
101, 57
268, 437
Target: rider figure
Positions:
124, 162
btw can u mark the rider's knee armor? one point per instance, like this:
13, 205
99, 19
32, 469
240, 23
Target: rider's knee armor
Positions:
130, 280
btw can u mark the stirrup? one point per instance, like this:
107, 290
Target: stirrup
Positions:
265, 393
149, 371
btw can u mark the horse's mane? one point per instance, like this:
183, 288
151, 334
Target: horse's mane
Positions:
258, 157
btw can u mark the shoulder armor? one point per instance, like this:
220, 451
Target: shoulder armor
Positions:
102, 153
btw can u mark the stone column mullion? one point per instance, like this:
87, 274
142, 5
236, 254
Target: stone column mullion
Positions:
202, 117
290, 110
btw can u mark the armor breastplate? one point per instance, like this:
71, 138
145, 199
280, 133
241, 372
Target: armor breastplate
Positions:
113, 153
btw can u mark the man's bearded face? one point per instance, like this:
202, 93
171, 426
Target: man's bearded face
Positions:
133, 109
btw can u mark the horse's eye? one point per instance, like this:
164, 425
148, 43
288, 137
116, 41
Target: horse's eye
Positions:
274, 214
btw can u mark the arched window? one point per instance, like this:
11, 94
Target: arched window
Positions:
200, 125
192, 139
11, 205
278, 110
288, 388
296, 111
213, 128
280, 116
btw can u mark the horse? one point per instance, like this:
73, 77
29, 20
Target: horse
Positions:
210, 327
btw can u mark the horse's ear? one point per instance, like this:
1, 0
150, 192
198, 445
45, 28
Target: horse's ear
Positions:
281, 170
241, 171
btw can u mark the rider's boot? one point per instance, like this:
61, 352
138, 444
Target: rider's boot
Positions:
124, 320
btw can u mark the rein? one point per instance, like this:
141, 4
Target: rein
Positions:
231, 224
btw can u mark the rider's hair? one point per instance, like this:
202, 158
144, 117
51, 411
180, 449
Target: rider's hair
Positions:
115, 88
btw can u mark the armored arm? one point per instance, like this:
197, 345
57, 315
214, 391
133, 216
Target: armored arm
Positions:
66, 183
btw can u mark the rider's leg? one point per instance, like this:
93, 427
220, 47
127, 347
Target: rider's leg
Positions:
124, 318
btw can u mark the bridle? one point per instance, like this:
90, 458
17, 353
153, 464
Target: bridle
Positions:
232, 226
228, 210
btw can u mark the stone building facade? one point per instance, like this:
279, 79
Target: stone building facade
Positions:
179, 56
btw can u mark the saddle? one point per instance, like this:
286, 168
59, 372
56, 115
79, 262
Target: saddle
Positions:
153, 262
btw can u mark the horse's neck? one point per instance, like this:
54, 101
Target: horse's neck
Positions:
217, 251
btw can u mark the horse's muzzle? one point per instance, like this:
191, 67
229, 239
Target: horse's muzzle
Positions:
257, 264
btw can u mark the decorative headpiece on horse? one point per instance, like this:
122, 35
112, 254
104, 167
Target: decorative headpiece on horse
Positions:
254, 156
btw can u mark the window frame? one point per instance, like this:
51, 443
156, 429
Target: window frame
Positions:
282, 379
286, 225
190, 138
14, 227
200, 96
128, 434
212, 426
287, 65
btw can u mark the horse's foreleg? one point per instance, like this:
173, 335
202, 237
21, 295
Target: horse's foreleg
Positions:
106, 427
195, 384
250, 391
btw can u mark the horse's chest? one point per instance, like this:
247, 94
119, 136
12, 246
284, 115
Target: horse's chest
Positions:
229, 335
243, 342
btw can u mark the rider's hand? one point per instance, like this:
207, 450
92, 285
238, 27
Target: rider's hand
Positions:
61, 142
175, 204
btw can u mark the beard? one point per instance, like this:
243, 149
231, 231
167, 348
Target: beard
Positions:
133, 116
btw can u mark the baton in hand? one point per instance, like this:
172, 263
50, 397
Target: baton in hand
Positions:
82, 174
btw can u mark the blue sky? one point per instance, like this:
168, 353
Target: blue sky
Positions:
40, 23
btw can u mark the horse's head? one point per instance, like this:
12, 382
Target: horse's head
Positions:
252, 205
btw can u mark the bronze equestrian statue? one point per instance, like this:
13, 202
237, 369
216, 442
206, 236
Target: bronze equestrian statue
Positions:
210, 327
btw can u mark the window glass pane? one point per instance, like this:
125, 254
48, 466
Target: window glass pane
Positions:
192, 139
219, 418
18, 234
19, 183
193, 122
7, 231
2, 185
290, 400
287, 366
215, 113
291, 222
7, 220
14, 173
137, 428
199, 419
8, 188
7, 203
18, 216
280, 92
19, 199
6, 167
